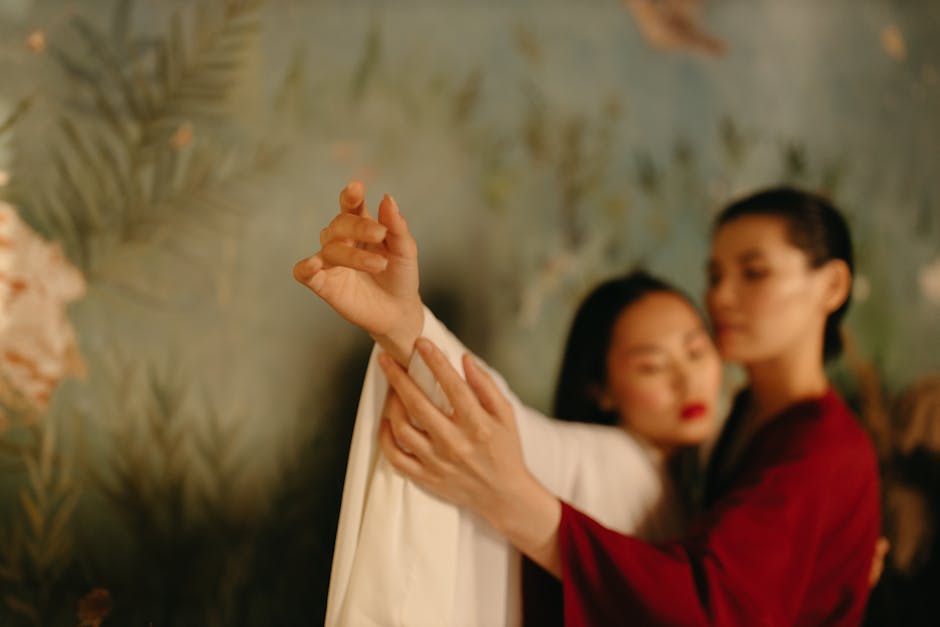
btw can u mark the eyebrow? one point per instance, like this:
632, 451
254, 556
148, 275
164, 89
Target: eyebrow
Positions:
653, 348
751, 255
641, 349
745, 257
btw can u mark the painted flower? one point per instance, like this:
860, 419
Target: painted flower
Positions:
38, 347
674, 25
929, 280
94, 607
36, 41
892, 40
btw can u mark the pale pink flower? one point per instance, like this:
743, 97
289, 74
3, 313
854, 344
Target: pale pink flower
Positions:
38, 347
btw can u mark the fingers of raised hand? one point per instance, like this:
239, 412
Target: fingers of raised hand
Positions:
399, 240
340, 254
353, 199
349, 228
306, 269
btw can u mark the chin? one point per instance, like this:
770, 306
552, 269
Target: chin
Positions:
734, 352
697, 432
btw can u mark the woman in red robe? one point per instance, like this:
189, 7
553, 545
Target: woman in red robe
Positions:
793, 499
792, 517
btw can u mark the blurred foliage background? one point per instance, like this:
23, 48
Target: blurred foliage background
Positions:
183, 155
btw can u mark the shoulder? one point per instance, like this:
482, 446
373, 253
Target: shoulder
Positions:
824, 438
569, 457
611, 476
609, 452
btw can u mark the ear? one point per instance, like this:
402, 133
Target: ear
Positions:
837, 284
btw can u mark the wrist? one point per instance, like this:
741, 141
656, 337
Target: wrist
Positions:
529, 516
399, 341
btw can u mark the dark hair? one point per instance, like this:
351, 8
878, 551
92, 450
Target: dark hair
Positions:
816, 227
584, 365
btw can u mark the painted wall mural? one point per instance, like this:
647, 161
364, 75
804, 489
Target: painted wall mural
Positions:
175, 411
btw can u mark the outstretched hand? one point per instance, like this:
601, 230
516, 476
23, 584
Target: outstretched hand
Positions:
367, 270
473, 457
882, 546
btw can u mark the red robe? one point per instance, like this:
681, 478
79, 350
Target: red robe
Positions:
787, 540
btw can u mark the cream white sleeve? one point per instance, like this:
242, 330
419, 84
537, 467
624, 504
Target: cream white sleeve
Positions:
395, 556
405, 558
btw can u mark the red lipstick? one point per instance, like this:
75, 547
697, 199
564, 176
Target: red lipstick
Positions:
693, 411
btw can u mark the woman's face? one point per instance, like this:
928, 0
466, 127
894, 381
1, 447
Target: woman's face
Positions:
663, 372
763, 297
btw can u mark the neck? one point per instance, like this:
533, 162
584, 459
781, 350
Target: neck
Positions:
785, 379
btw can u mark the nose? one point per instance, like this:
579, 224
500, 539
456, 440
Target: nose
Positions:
720, 294
681, 378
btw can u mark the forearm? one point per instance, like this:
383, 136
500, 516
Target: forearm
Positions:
529, 516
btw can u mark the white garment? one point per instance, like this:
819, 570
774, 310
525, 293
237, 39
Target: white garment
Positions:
404, 558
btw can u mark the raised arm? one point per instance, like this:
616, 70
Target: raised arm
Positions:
367, 270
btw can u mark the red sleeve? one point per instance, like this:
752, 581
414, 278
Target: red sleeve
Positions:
747, 563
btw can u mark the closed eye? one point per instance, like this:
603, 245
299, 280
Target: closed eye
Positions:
755, 274
650, 368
